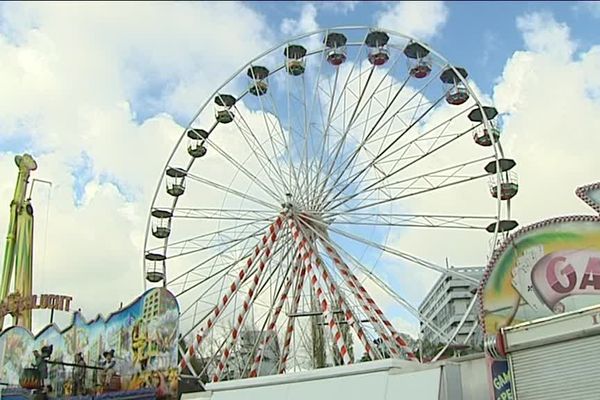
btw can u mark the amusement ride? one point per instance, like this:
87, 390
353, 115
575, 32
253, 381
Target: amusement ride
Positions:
317, 183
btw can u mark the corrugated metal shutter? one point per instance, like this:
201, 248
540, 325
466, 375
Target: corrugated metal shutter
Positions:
564, 370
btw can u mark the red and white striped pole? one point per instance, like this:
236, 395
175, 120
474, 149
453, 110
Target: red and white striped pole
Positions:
309, 259
250, 296
362, 293
353, 283
233, 289
350, 317
289, 330
274, 317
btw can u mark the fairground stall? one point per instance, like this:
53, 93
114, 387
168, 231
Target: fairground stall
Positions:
130, 354
540, 305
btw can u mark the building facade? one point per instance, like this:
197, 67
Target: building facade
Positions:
446, 304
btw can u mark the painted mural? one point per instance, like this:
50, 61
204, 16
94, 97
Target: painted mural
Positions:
544, 269
138, 341
548, 268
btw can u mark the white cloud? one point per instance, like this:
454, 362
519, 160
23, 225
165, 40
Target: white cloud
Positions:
552, 124
339, 7
543, 34
75, 88
420, 19
305, 23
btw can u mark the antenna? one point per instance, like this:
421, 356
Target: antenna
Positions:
33, 181
43, 261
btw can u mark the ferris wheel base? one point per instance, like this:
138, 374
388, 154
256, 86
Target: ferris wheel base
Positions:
456, 379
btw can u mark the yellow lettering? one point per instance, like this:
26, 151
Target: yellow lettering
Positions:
497, 384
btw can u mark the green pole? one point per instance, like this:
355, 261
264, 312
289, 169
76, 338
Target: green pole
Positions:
26, 164
24, 260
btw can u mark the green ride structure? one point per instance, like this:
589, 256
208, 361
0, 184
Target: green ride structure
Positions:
17, 271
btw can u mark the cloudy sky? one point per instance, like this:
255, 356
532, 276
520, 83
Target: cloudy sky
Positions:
100, 93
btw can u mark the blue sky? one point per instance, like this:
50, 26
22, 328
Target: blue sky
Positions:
481, 36
477, 34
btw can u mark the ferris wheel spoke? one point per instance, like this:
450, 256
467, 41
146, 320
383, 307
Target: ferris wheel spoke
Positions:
209, 237
214, 257
413, 185
399, 133
260, 154
415, 221
255, 145
413, 160
226, 272
223, 271
209, 246
326, 127
353, 178
406, 256
340, 144
290, 134
222, 213
262, 252
308, 115
455, 332
365, 205
425, 137
376, 128
255, 302
229, 190
249, 272
240, 168
230, 254
344, 90
293, 178
272, 137
326, 239
316, 183
337, 203
431, 147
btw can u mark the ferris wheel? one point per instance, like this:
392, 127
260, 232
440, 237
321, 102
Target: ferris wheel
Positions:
310, 198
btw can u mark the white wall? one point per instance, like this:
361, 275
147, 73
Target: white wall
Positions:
378, 380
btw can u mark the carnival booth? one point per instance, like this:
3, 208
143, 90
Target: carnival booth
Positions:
131, 354
540, 308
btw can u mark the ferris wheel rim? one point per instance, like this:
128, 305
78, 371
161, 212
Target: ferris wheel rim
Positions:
496, 144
